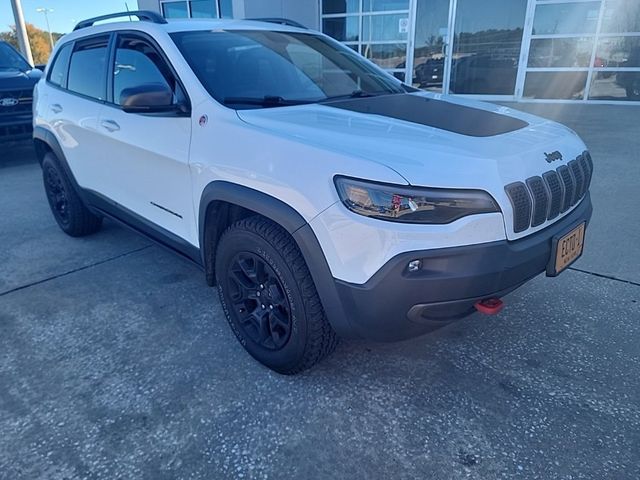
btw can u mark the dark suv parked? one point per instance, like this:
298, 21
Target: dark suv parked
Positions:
17, 79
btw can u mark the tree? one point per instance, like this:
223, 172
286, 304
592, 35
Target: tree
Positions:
39, 40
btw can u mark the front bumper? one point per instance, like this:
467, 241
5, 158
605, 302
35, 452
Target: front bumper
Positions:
396, 304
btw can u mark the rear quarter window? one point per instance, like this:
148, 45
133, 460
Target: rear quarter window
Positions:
60, 67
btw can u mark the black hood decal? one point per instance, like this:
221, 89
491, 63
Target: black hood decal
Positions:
434, 113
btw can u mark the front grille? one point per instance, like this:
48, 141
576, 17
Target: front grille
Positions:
543, 198
24, 98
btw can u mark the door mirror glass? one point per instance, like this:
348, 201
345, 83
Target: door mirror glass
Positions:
148, 97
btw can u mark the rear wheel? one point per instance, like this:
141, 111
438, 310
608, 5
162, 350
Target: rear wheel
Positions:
269, 297
72, 216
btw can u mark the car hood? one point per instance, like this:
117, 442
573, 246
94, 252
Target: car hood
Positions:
17, 80
456, 143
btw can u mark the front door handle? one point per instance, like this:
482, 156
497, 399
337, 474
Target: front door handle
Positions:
56, 108
110, 125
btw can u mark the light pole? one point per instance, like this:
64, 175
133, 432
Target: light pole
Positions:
21, 31
46, 12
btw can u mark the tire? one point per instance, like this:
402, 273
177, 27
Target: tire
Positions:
72, 216
269, 298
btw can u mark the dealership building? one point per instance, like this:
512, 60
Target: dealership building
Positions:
523, 50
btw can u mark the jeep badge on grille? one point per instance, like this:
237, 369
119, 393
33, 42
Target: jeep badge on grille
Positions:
553, 156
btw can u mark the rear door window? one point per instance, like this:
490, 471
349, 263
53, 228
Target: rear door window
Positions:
88, 66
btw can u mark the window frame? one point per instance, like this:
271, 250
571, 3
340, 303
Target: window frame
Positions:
152, 43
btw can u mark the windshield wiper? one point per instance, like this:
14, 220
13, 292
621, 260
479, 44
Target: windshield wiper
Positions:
266, 101
357, 94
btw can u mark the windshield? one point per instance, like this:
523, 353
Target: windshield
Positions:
11, 60
258, 69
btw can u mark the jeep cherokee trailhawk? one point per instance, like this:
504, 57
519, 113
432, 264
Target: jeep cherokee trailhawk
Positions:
321, 195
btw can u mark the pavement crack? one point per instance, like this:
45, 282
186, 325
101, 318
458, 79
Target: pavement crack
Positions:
86, 267
608, 277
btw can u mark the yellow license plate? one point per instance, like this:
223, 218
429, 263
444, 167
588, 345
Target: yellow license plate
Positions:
569, 248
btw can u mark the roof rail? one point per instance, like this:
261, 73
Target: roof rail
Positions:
143, 16
279, 21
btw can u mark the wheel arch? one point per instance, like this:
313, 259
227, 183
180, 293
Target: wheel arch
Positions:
223, 203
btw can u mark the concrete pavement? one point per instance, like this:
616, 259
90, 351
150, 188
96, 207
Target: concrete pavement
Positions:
116, 361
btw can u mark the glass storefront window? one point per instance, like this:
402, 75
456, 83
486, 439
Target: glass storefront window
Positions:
175, 9
563, 18
486, 48
432, 17
560, 52
226, 8
344, 29
555, 85
384, 5
615, 52
203, 9
385, 27
330, 7
388, 56
621, 16
615, 86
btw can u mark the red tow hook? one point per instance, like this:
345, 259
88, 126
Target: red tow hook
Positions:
489, 306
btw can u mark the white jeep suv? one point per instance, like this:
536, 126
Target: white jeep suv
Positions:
321, 195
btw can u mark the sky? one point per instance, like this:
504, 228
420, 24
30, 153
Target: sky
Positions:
66, 13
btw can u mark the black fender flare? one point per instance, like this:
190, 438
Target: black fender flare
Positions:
300, 230
49, 139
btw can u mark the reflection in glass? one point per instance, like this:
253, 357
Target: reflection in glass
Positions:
566, 18
487, 45
619, 52
384, 5
432, 17
384, 27
386, 55
555, 85
175, 10
203, 9
621, 16
615, 86
560, 52
226, 8
344, 29
340, 6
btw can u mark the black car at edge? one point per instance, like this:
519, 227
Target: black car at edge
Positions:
17, 79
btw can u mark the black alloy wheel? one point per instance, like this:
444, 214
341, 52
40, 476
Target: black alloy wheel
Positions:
259, 302
269, 297
69, 211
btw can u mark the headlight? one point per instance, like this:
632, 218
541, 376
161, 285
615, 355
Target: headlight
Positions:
397, 203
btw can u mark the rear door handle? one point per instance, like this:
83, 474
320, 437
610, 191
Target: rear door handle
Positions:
110, 125
56, 108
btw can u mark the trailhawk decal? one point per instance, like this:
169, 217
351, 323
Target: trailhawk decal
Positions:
448, 116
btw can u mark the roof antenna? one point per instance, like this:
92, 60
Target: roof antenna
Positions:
127, 7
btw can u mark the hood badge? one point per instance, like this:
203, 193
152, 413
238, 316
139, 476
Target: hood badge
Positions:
9, 102
553, 156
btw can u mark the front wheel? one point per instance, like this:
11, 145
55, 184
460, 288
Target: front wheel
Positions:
269, 298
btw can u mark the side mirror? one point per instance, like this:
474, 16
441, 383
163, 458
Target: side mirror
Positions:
150, 98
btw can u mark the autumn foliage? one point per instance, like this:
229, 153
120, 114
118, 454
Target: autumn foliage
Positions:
39, 40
